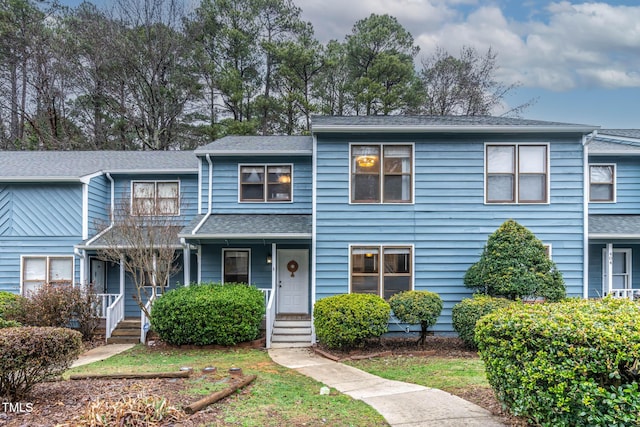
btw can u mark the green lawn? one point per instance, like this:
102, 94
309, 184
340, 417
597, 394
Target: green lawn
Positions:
279, 396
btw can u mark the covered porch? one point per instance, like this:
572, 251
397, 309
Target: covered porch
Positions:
614, 256
269, 251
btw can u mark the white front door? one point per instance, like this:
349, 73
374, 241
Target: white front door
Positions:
293, 280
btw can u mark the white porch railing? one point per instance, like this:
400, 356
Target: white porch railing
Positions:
270, 314
113, 313
144, 320
632, 294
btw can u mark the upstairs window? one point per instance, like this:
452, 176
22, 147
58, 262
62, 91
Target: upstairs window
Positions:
38, 270
151, 198
381, 270
381, 173
517, 173
265, 183
602, 183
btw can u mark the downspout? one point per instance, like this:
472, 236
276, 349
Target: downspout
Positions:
113, 197
82, 254
314, 225
586, 140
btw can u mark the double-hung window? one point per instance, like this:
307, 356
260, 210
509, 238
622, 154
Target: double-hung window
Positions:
602, 183
149, 198
381, 270
41, 269
381, 173
265, 183
517, 173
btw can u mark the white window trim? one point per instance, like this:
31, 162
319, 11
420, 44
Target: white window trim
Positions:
629, 267
156, 182
517, 173
549, 249
615, 182
381, 145
265, 165
381, 248
224, 251
47, 257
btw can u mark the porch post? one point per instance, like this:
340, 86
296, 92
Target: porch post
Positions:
609, 266
122, 275
186, 251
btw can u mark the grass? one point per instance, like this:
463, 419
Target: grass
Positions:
449, 374
279, 396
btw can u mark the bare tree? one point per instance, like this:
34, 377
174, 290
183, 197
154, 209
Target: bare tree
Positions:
143, 236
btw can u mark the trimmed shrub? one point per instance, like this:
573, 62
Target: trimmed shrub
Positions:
30, 355
58, 306
515, 265
573, 363
467, 312
8, 323
346, 321
6, 300
421, 307
209, 313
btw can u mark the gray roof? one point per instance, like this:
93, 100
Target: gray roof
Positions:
259, 145
616, 142
443, 124
248, 226
72, 165
614, 226
111, 237
624, 133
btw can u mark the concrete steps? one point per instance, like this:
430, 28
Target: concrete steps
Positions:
288, 333
127, 332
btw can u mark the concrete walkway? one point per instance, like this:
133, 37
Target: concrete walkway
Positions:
100, 353
401, 404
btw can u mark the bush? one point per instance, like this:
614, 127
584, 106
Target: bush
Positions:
58, 306
6, 300
565, 364
346, 321
209, 313
421, 307
29, 355
8, 323
467, 312
514, 264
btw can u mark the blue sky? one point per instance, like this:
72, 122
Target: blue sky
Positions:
579, 60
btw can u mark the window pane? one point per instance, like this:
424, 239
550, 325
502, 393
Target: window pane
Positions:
397, 159
397, 188
253, 174
397, 260
532, 188
279, 187
533, 159
35, 269
364, 260
167, 190
60, 270
144, 189
168, 206
252, 192
602, 174
500, 188
396, 284
236, 266
601, 192
366, 188
143, 206
364, 285
366, 158
500, 159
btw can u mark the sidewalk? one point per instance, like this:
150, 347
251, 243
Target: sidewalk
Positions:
100, 353
401, 404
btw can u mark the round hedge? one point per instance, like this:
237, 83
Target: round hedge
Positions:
345, 321
573, 363
467, 312
417, 307
209, 313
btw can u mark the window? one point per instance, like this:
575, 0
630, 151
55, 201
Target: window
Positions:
236, 265
274, 185
517, 173
602, 183
155, 198
381, 270
38, 270
386, 181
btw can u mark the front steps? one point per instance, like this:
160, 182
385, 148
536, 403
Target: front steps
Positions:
127, 332
291, 331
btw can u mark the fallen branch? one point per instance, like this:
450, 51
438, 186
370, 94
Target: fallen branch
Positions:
213, 398
141, 376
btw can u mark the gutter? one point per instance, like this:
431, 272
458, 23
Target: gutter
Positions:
451, 129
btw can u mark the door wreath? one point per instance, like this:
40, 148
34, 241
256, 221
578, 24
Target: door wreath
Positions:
292, 266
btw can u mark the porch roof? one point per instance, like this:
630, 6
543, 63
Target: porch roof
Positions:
614, 226
111, 237
248, 226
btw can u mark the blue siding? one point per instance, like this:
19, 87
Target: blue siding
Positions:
99, 201
627, 188
260, 271
226, 186
449, 223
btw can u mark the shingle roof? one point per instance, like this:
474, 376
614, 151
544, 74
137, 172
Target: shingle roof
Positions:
616, 141
111, 237
69, 165
625, 133
260, 145
614, 226
445, 123
247, 226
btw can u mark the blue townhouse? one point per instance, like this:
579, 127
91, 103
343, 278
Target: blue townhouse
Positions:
368, 204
